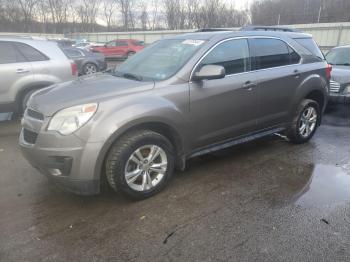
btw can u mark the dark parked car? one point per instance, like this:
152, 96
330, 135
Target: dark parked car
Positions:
179, 98
87, 62
339, 58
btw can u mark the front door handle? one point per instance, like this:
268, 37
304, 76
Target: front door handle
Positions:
22, 71
249, 85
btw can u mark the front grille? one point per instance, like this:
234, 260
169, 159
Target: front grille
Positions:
35, 114
334, 86
29, 136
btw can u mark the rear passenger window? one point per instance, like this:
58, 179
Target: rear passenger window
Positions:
31, 53
233, 55
121, 43
9, 54
269, 53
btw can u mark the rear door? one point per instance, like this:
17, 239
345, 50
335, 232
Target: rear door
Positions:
224, 108
15, 71
278, 75
122, 48
40, 62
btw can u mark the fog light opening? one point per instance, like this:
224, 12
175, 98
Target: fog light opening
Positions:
55, 172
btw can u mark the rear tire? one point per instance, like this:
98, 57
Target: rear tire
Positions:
89, 69
131, 169
305, 123
130, 54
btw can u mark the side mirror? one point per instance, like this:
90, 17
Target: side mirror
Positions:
209, 72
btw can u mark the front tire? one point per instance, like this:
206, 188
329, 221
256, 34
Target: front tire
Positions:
305, 122
140, 164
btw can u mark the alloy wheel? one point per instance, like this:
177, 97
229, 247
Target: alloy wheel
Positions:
146, 167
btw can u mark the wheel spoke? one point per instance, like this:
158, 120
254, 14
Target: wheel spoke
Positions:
144, 181
159, 168
135, 159
133, 175
154, 153
139, 155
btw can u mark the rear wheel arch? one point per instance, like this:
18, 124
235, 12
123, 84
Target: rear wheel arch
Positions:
27, 89
318, 96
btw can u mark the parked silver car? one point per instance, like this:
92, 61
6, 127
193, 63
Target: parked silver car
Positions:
179, 98
27, 65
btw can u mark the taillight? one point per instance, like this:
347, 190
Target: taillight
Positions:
74, 68
328, 71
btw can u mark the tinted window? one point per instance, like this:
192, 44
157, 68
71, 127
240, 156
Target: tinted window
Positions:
232, 54
270, 53
310, 45
121, 43
73, 53
9, 54
30, 53
139, 43
110, 44
294, 57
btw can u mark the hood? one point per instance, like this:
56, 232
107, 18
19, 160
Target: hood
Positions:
341, 74
89, 89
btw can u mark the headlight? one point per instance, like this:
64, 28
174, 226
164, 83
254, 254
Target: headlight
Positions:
71, 119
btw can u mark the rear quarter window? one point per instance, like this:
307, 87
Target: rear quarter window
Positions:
311, 46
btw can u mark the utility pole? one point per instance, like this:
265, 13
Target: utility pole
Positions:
279, 19
319, 14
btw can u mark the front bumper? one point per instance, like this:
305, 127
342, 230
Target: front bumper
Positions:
339, 98
67, 160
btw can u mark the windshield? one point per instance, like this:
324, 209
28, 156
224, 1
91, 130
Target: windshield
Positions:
339, 56
160, 60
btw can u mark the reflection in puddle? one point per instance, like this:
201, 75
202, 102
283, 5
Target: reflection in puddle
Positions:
327, 185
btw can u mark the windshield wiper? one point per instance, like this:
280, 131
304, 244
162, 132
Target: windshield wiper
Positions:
132, 76
343, 64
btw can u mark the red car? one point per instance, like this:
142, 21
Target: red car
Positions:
121, 48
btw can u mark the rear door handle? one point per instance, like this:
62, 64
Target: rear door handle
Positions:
296, 73
249, 85
22, 71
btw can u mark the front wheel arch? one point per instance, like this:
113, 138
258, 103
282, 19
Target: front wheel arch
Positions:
163, 129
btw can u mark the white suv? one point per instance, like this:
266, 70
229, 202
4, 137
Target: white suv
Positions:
27, 65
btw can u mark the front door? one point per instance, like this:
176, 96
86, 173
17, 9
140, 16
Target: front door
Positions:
224, 108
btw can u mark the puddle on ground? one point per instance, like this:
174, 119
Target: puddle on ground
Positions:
328, 185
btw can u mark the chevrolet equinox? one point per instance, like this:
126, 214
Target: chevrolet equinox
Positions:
179, 98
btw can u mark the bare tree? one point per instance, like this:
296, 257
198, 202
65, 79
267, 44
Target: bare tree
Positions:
109, 10
27, 9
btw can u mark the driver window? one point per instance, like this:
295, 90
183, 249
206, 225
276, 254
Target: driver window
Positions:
233, 55
110, 44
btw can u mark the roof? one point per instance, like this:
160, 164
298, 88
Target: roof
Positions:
209, 35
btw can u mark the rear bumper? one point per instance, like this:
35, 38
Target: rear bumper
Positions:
339, 98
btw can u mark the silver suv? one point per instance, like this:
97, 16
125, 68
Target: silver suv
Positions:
27, 65
179, 98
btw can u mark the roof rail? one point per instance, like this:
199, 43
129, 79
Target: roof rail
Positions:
215, 29
23, 36
268, 28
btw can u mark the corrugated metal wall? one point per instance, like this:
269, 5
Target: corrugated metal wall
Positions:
326, 35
